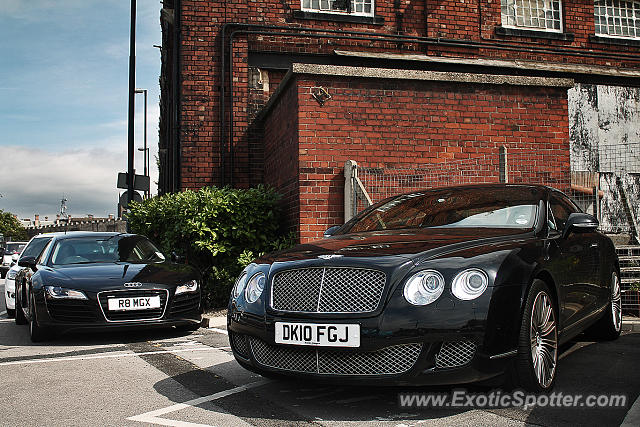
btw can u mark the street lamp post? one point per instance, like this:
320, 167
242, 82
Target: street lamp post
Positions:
145, 150
132, 84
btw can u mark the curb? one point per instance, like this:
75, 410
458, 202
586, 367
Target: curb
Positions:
630, 324
220, 322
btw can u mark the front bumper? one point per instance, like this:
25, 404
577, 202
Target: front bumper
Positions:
448, 343
72, 315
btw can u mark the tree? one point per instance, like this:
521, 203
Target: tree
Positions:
11, 228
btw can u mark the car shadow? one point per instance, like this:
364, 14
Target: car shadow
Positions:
586, 368
19, 337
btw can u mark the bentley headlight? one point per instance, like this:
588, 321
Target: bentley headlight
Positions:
56, 292
239, 286
191, 286
424, 287
469, 284
254, 288
11, 275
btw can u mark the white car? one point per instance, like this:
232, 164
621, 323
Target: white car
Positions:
12, 248
10, 287
34, 248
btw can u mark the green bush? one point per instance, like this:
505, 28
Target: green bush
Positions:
218, 230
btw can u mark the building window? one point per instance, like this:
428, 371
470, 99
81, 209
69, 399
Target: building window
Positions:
615, 18
545, 15
352, 7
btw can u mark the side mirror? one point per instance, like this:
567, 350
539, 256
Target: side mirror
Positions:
579, 223
14, 258
28, 262
331, 230
176, 259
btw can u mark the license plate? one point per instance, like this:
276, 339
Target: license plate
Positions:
133, 303
318, 334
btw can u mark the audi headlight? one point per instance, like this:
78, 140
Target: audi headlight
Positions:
239, 286
56, 292
254, 287
469, 284
191, 286
11, 275
424, 287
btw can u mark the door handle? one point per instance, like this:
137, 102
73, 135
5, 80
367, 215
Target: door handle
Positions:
594, 245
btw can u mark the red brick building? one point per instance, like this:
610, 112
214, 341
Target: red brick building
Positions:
284, 92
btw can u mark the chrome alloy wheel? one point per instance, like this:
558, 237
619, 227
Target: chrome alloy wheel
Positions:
616, 302
544, 339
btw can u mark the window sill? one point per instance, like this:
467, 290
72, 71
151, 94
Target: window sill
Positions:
338, 17
614, 40
502, 31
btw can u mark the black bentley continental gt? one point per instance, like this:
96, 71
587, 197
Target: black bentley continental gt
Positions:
443, 286
100, 281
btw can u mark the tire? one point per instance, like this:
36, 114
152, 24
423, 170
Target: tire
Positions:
11, 313
536, 362
608, 328
36, 332
20, 319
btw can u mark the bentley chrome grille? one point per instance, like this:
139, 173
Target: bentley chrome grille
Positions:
328, 290
392, 360
455, 354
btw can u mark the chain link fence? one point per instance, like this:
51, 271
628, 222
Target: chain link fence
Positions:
606, 185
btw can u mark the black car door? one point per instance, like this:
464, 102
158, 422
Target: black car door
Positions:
578, 263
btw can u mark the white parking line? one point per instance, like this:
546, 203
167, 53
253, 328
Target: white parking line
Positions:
153, 417
218, 330
633, 416
100, 356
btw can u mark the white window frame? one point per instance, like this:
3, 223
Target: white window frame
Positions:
635, 18
512, 3
338, 12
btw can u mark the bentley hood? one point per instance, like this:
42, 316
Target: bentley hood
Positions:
414, 244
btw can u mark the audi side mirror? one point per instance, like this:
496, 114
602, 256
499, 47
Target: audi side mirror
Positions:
331, 230
177, 259
580, 223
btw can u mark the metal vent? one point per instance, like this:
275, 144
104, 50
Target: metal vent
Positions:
328, 290
387, 361
455, 354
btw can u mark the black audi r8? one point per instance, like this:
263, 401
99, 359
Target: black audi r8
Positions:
94, 281
443, 286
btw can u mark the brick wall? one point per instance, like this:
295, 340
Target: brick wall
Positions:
408, 124
202, 148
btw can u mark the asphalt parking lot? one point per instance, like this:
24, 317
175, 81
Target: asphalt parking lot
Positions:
168, 378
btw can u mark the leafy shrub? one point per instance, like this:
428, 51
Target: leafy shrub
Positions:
11, 228
218, 230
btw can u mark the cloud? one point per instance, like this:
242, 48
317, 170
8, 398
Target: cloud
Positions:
35, 180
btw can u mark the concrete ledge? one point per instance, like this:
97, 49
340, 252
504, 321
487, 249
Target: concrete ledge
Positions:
398, 74
532, 66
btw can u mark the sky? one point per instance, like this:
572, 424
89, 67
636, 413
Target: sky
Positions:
63, 102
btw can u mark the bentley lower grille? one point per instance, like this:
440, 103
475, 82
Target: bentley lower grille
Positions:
392, 360
71, 311
185, 303
455, 354
240, 344
328, 290
132, 315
